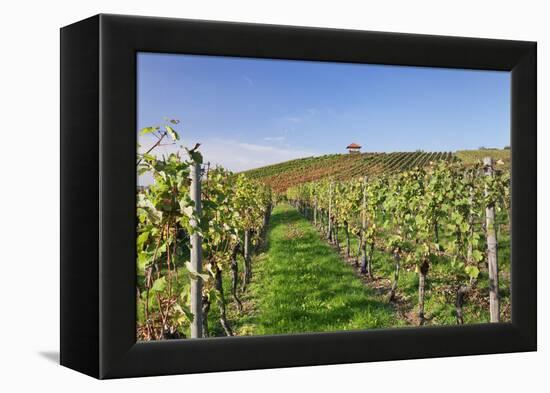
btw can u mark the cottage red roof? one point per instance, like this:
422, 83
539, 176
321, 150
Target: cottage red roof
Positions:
353, 146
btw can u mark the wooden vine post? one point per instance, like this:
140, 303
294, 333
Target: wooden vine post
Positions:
196, 255
492, 257
247, 264
329, 231
363, 240
315, 211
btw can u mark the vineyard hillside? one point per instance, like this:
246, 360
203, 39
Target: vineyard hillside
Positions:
287, 174
341, 167
471, 156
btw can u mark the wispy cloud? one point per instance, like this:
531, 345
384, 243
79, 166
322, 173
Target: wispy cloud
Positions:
248, 80
303, 116
274, 138
293, 119
237, 156
312, 111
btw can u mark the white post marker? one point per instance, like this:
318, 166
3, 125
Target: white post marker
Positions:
492, 256
196, 255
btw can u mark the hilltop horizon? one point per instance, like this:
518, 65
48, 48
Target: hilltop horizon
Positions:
455, 152
290, 173
249, 113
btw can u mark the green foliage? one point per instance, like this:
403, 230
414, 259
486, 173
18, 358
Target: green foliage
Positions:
231, 204
430, 214
159, 285
473, 157
173, 134
427, 208
148, 130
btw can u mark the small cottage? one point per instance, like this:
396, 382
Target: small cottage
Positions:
354, 148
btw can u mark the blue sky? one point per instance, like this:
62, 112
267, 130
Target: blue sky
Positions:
253, 112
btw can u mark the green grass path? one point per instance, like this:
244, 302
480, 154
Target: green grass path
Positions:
301, 285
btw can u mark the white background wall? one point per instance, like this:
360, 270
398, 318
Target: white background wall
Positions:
29, 193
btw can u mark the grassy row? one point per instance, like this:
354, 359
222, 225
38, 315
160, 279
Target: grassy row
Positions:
300, 284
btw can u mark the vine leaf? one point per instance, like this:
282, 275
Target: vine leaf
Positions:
472, 271
159, 285
147, 130
173, 134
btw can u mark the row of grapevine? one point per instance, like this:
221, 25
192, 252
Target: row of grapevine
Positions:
440, 213
232, 218
292, 165
282, 176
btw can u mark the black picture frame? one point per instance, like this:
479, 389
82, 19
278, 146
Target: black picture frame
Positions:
98, 195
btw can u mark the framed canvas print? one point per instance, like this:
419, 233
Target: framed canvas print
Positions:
239, 196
